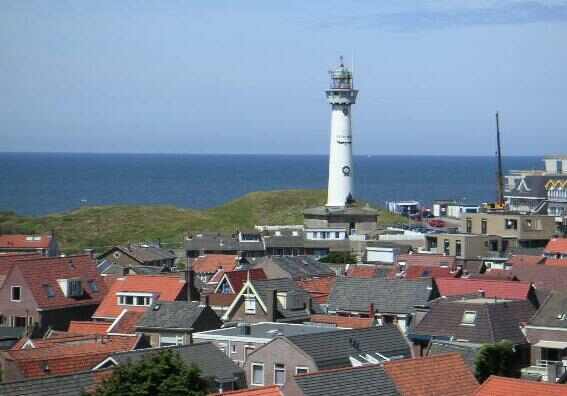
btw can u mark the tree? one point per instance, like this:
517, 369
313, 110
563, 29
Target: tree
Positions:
160, 374
338, 258
495, 359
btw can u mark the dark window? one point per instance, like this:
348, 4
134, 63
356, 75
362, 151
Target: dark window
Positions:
446, 246
458, 248
93, 286
16, 293
469, 225
483, 226
494, 245
20, 321
49, 291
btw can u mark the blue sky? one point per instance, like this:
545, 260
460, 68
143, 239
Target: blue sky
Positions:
248, 76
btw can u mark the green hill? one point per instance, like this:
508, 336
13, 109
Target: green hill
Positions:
102, 226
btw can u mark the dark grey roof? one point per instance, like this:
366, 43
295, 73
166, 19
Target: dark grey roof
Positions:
117, 269
553, 311
299, 267
467, 350
212, 362
284, 238
60, 385
144, 253
367, 380
495, 320
172, 315
388, 295
221, 242
334, 245
333, 349
265, 287
342, 211
267, 330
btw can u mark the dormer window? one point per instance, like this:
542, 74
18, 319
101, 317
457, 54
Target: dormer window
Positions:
137, 299
469, 318
282, 299
74, 288
250, 304
16, 293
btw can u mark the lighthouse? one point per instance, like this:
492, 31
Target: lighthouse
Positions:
340, 96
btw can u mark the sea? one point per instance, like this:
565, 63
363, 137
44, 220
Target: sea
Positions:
42, 183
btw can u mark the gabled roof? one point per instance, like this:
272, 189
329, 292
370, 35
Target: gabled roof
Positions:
210, 263
500, 386
126, 322
166, 288
524, 259
493, 321
369, 380
236, 279
318, 288
333, 349
387, 295
173, 315
265, 287
87, 327
348, 322
212, 362
446, 375
143, 253
20, 241
492, 288
541, 275
273, 390
298, 267
42, 275
556, 245
428, 260
67, 354
553, 311
222, 242
57, 385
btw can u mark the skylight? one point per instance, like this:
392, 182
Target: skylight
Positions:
469, 318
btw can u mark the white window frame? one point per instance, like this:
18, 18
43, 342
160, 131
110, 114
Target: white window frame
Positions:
12, 293
250, 308
469, 323
301, 368
252, 374
276, 370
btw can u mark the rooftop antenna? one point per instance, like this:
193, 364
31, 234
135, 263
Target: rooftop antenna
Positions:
500, 199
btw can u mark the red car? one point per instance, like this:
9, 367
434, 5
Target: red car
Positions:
436, 223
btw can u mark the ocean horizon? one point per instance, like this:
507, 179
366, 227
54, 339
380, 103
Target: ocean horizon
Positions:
43, 183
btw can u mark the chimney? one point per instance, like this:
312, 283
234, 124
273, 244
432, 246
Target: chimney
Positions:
371, 312
191, 293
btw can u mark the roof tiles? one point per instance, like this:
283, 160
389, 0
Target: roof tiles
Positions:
263, 391
492, 288
556, 245
210, 263
500, 386
349, 322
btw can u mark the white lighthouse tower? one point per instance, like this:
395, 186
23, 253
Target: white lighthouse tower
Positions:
341, 96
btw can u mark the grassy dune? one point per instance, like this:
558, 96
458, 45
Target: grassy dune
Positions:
102, 226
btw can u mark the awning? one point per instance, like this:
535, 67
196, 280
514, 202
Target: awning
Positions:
551, 344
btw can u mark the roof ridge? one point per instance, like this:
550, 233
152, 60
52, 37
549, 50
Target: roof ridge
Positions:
334, 370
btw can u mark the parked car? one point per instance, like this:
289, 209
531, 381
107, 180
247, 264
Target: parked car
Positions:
437, 223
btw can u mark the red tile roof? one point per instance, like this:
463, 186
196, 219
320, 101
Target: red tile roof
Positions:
500, 386
349, 322
428, 260
318, 288
514, 290
87, 328
556, 245
43, 273
273, 390
421, 271
19, 241
210, 263
541, 275
445, 374
524, 259
66, 355
166, 288
238, 278
126, 322
362, 271
555, 262
496, 274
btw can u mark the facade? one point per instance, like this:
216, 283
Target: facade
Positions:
48, 292
241, 244
539, 191
44, 244
293, 267
284, 357
465, 246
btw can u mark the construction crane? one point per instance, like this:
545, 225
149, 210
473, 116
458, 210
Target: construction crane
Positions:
499, 204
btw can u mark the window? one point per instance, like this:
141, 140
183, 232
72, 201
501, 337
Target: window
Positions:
468, 318
170, 340
144, 301
257, 374
233, 348
483, 226
93, 286
16, 293
469, 225
250, 305
279, 374
74, 288
49, 291
446, 246
20, 321
248, 349
282, 299
301, 370
511, 224
458, 248
337, 235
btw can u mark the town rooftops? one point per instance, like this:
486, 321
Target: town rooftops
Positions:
347, 322
387, 295
161, 288
173, 315
88, 327
556, 246
446, 375
466, 349
543, 276
318, 288
273, 390
284, 239
236, 279
261, 332
298, 267
503, 289
47, 279
369, 380
475, 320
143, 253
362, 271
19, 241
238, 242
210, 263
429, 260
335, 349
211, 361
500, 386
423, 271
553, 311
